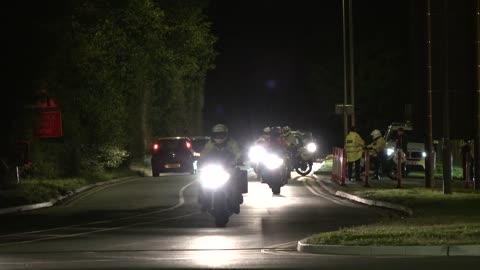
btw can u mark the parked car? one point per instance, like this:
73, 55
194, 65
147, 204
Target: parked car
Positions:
415, 159
173, 154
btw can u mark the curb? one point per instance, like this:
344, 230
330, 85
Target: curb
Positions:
461, 250
455, 250
53, 201
351, 197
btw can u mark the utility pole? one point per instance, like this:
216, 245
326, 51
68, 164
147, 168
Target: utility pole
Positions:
352, 60
429, 143
346, 77
447, 155
477, 99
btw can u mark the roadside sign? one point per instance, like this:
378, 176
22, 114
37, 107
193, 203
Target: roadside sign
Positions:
339, 108
49, 124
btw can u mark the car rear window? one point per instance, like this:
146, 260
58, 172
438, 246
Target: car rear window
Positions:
171, 145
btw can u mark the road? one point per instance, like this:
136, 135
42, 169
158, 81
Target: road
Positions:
154, 222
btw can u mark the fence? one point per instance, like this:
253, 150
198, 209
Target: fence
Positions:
339, 165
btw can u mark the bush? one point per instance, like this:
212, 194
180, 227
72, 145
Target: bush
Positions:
95, 160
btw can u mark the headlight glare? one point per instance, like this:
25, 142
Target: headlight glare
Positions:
213, 176
273, 161
311, 147
390, 151
256, 153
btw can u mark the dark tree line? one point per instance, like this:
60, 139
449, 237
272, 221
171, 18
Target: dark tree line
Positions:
122, 72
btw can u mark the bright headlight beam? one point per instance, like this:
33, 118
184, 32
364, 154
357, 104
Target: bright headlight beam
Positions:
311, 147
390, 151
213, 176
272, 161
424, 154
256, 153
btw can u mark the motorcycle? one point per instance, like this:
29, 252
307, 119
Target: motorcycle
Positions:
392, 164
222, 187
303, 159
271, 166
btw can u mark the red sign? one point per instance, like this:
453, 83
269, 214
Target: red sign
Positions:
49, 124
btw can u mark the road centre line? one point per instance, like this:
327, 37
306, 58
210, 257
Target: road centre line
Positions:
97, 231
179, 204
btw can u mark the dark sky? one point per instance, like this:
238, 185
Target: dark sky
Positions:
266, 50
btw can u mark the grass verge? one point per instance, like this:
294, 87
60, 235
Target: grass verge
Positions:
30, 191
438, 220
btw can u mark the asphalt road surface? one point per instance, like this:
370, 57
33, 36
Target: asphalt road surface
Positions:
155, 222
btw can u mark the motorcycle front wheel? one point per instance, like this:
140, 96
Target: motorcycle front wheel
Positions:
276, 189
304, 168
221, 218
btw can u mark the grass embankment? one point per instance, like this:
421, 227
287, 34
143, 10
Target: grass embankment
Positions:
30, 191
438, 219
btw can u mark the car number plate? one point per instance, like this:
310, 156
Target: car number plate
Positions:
173, 166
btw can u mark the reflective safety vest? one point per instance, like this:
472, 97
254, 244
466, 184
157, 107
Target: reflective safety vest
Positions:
354, 145
377, 146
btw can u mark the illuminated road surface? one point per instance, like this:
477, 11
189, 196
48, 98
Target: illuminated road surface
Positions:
155, 222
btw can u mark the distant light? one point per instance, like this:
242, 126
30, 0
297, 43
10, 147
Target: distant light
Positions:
155, 146
188, 145
271, 84
424, 154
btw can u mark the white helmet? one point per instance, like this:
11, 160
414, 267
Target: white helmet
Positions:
376, 134
267, 130
220, 133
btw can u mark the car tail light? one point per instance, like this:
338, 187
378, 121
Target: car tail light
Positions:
188, 145
156, 146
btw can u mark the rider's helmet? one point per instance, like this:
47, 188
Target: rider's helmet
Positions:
286, 130
219, 133
267, 130
376, 134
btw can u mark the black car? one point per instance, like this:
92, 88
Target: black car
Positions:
173, 154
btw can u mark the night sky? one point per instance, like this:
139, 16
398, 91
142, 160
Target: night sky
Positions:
267, 50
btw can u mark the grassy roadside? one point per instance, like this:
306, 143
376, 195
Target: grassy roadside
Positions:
30, 191
438, 219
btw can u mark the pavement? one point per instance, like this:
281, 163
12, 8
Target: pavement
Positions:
334, 188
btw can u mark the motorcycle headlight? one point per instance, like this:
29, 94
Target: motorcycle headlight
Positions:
256, 153
390, 151
213, 176
311, 147
424, 154
272, 161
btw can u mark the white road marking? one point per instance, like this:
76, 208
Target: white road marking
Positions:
179, 204
97, 231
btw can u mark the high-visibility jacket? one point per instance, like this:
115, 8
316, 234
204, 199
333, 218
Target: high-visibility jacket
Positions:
229, 147
354, 145
377, 146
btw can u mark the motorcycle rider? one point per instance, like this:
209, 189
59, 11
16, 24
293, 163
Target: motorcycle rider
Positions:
291, 145
265, 137
221, 145
289, 139
376, 151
